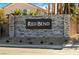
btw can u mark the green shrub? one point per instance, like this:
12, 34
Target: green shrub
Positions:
25, 12
3, 18
34, 13
17, 12
1, 12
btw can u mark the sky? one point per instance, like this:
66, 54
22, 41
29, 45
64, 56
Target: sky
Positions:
44, 5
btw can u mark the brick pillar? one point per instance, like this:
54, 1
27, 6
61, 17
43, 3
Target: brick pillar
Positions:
11, 26
67, 25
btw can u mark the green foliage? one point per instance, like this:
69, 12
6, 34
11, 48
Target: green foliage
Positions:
73, 8
28, 12
34, 13
74, 12
1, 12
25, 12
70, 6
3, 19
66, 8
74, 17
17, 12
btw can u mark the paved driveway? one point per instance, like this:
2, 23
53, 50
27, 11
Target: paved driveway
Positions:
30, 51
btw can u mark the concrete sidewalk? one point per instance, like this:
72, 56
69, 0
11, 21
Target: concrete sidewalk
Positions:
33, 51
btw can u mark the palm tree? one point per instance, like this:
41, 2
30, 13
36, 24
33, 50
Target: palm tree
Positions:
1, 12
51, 11
74, 11
73, 8
59, 8
3, 19
48, 8
69, 8
53, 8
66, 8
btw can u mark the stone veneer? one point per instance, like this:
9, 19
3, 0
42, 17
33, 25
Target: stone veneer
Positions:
60, 27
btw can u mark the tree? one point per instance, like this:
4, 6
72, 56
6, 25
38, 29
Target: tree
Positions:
48, 8
66, 8
73, 8
74, 11
1, 12
3, 19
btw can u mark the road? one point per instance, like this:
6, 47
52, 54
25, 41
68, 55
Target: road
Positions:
33, 51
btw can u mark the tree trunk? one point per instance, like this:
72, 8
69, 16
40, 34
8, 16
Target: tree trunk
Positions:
53, 8
48, 8
69, 8
60, 8
66, 8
